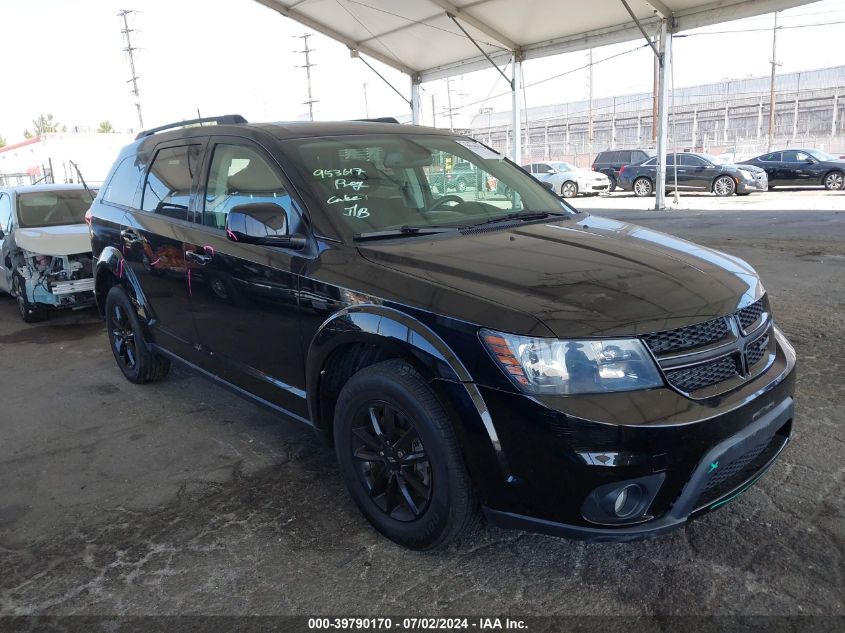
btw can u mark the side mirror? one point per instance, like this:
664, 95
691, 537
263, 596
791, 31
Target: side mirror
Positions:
263, 223
2, 234
551, 171
809, 161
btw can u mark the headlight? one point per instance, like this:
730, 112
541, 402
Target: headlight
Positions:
560, 367
746, 174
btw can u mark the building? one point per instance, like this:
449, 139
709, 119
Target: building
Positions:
48, 158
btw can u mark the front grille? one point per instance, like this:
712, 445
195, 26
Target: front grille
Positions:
703, 375
688, 337
755, 351
731, 475
749, 315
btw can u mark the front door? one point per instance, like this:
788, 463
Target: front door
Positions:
799, 167
245, 296
153, 244
698, 173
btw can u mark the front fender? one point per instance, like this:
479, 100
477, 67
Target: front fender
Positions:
380, 325
110, 266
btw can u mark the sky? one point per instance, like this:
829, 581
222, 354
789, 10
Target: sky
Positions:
236, 56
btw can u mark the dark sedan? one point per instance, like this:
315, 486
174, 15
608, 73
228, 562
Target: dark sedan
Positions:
802, 167
695, 172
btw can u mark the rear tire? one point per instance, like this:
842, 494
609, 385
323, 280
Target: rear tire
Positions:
400, 458
643, 187
834, 181
30, 312
126, 338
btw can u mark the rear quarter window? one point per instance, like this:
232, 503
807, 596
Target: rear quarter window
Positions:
124, 183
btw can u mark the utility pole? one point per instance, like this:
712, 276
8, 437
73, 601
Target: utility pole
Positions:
307, 66
772, 102
433, 113
366, 103
130, 52
590, 116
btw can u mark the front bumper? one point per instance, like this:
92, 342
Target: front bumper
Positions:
705, 453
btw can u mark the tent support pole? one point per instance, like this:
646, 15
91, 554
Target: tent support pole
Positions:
415, 99
516, 94
663, 112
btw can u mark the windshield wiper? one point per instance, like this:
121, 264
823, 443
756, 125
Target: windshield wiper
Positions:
525, 216
405, 231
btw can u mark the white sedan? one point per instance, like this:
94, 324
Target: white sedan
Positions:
568, 180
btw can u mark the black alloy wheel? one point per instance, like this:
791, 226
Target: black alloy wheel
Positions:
391, 461
834, 181
30, 312
400, 459
122, 338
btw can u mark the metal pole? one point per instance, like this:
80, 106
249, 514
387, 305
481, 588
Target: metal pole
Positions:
663, 113
590, 118
307, 66
433, 113
366, 102
415, 100
516, 94
833, 122
654, 99
449, 103
772, 102
759, 119
795, 112
130, 52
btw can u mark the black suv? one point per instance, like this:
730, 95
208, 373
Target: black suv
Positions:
611, 161
565, 373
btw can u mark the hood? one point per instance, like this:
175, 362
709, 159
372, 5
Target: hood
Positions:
68, 239
583, 173
593, 277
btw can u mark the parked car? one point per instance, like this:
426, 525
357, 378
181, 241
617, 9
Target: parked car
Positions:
462, 176
696, 172
569, 374
611, 161
569, 180
45, 250
801, 167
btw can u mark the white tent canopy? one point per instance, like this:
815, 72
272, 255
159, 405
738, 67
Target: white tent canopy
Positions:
434, 39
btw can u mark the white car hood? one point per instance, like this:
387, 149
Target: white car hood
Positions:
68, 239
586, 173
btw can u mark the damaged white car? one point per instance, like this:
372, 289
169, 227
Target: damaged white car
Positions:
45, 248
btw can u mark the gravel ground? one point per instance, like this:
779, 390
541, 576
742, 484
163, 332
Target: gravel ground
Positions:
180, 498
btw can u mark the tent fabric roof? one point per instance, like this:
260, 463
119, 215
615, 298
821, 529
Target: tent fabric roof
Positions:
419, 38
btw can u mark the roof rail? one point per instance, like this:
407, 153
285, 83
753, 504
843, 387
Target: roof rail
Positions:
383, 119
226, 119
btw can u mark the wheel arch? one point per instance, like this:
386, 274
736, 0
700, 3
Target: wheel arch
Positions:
111, 270
362, 335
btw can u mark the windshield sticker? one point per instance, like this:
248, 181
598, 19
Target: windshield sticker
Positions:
480, 150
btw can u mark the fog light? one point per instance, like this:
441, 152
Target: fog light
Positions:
627, 500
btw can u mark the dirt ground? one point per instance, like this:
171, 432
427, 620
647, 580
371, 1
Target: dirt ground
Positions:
180, 498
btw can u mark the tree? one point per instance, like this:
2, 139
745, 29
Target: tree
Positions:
44, 124
2, 141
105, 128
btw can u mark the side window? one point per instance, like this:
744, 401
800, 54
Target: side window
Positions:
691, 161
651, 162
774, 157
790, 156
670, 160
5, 212
802, 157
240, 175
623, 158
168, 187
542, 168
124, 182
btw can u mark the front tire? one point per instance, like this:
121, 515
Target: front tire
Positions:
126, 338
834, 181
30, 312
569, 189
461, 185
400, 459
724, 186
643, 187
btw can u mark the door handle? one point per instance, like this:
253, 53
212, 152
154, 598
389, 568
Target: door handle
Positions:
130, 237
198, 258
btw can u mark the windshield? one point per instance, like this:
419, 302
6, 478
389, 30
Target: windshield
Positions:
715, 159
53, 208
385, 182
819, 155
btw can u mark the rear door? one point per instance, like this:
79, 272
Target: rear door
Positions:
153, 241
245, 296
5, 241
772, 164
